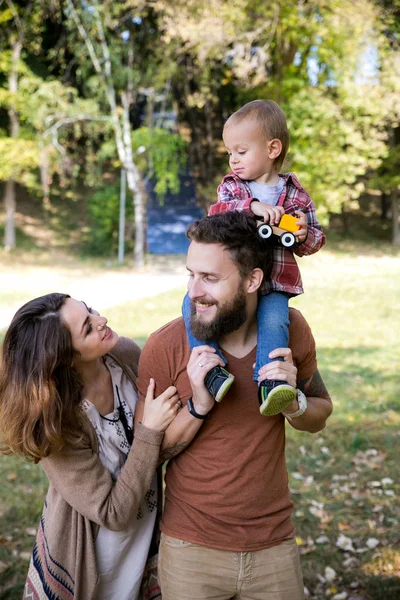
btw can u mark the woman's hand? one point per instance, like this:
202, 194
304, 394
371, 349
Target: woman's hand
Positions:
159, 412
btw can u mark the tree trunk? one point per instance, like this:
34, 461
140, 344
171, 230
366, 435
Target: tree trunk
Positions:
121, 124
384, 206
9, 207
135, 184
344, 219
9, 196
395, 218
44, 177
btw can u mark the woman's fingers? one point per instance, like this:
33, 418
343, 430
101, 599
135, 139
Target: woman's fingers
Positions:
150, 390
160, 411
169, 393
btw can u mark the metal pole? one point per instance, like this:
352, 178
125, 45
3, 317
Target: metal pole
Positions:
122, 202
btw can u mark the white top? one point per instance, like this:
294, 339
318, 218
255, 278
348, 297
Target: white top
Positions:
269, 194
121, 555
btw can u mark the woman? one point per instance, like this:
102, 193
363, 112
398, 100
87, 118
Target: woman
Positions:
67, 399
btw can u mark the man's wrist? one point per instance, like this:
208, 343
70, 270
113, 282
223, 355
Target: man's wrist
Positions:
198, 411
302, 407
293, 408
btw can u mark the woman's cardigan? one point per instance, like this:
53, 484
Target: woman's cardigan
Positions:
83, 497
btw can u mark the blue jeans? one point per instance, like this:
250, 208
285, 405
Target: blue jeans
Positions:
272, 323
272, 327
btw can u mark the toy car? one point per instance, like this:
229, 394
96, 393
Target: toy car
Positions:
284, 231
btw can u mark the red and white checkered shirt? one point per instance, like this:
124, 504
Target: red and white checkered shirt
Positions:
235, 194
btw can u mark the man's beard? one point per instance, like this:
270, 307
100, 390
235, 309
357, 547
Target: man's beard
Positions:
229, 318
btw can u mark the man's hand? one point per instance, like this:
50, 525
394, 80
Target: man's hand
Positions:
270, 214
301, 234
280, 370
319, 404
202, 360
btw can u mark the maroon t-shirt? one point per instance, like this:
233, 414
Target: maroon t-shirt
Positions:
229, 488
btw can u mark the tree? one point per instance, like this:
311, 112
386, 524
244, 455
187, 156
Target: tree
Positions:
120, 42
14, 35
387, 177
31, 101
310, 57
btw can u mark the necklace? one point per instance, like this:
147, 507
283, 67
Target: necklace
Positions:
121, 417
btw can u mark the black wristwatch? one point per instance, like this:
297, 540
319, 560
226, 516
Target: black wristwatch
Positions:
193, 411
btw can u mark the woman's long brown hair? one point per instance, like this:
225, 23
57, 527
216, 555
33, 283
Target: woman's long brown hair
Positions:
40, 391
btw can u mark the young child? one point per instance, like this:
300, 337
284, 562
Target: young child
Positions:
257, 140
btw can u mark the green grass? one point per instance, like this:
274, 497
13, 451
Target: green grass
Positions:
344, 480
138, 319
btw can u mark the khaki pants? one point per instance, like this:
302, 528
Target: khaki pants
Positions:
191, 572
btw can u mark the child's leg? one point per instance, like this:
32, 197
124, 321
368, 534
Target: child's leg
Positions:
273, 332
218, 380
273, 327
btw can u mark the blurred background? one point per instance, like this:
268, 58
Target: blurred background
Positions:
111, 117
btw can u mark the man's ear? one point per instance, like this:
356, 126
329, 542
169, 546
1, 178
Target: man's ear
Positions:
274, 148
254, 280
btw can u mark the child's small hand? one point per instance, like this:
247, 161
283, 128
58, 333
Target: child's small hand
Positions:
301, 234
270, 214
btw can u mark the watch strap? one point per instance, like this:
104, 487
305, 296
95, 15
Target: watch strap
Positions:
193, 412
302, 401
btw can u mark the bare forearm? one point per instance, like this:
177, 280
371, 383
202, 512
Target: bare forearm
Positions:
179, 434
314, 419
319, 405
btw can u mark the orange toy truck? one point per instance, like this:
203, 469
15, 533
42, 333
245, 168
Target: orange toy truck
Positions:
284, 231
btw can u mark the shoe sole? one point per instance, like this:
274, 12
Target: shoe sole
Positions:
278, 399
224, 388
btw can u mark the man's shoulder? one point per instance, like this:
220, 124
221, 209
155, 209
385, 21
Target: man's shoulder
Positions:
299, 329
302, 345
170, 331
166, 350
296, 318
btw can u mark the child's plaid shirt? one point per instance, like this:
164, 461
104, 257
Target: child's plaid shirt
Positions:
235, 194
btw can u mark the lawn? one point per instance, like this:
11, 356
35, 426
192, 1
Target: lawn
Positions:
344, 480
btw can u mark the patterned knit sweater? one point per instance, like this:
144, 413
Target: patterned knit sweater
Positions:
82, 496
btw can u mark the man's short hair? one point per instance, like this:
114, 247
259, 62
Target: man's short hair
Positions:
238, 233
271, 121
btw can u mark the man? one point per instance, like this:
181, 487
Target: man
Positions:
227, 530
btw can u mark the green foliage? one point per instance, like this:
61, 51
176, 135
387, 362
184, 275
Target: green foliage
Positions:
19, 159
201, 60
331, 166
100, 237
313, 59
160, 154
